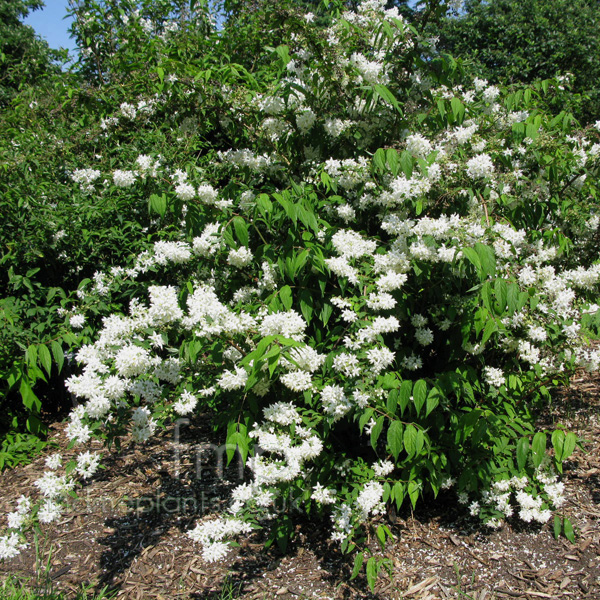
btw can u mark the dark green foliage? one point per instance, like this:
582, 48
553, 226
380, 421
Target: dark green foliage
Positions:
24, 57
514, 41
19, 448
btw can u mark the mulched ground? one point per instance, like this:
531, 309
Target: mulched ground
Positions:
127, 531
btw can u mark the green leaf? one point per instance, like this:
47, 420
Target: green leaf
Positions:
458, 110
392, 401
570, 443
557, 526
365, 418
487, 258
395, 439
376, 432
398, 492
522, 453
264, 204
419, 395
158, 204
405, 394
538, 448
413, 492
501, 292
472, 257
532, 130
380, 532
358, 563
30, 400
306, 305
433, 400
387, 95
285, 295
569, 532
307, 218
44, 358
372, 572
34, 425
419, 441
284, 54
441, 107
379, 159
326, 313
58, 354
410, 440
406, 163
273, 358
393, 161
31, 355
241, 230
558, 442
512, 297
490, 328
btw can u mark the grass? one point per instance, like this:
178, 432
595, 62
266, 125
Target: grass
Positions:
17, 589
42, 588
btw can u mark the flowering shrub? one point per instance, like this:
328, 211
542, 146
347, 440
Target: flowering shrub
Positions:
373, 272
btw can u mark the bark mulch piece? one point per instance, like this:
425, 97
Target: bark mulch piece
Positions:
127, 531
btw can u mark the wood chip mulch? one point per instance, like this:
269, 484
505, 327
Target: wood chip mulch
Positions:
127, 531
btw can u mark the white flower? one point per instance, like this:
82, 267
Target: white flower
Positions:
76, 321
369, 500
86, 178
347, 364
494, 377
132, 361
297, 381
52, 486
186, 404
380, 358
381, 301
207, 194
480, 166
383, 468
185, 191
215, 551
350, 244
240, 258
391, 281
424, 336
10, 545
87, 464
346, 213
233, 380
418, 145
54, 461
124, 179
323, 495
305, 120
175, 252
288, 324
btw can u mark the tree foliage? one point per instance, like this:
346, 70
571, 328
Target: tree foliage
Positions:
24, 57
513, 41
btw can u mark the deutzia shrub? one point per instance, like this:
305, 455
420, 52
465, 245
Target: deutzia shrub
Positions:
371, 321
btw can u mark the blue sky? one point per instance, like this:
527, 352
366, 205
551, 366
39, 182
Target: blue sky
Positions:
49, 24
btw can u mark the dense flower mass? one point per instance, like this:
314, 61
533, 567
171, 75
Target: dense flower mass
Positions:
369, 291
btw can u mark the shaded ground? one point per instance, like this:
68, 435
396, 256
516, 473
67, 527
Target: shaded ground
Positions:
128, 531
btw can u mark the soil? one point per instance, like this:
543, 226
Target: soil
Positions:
127, 531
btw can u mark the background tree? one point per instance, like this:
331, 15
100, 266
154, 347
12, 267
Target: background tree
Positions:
512, 41
24, 56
